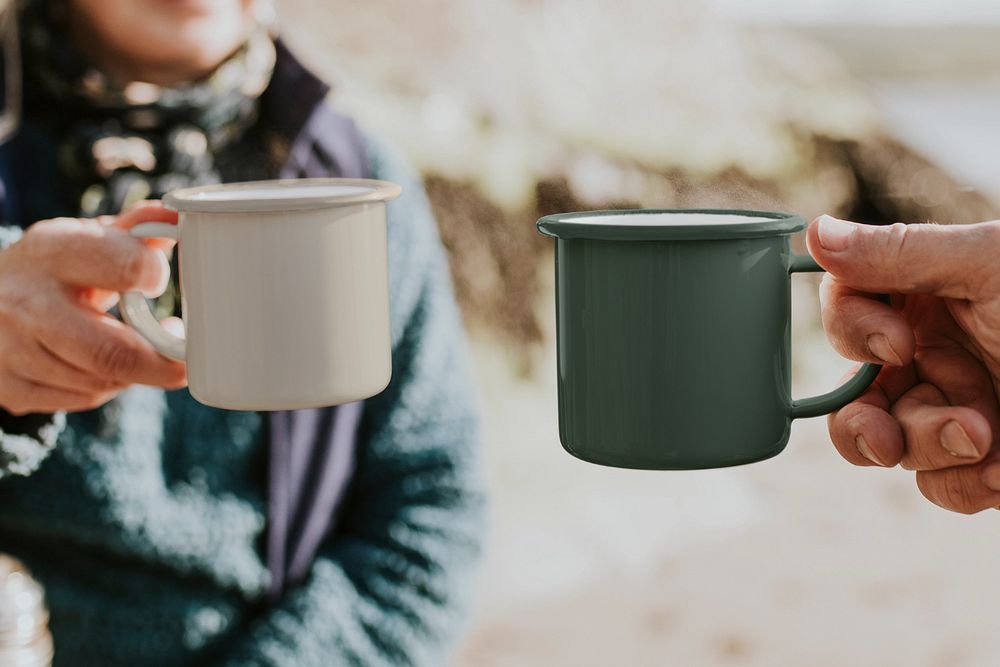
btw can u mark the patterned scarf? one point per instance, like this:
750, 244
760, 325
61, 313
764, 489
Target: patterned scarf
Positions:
121, 142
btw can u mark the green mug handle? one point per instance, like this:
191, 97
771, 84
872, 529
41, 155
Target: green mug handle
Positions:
845, 393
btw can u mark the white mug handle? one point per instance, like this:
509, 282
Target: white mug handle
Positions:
134, 308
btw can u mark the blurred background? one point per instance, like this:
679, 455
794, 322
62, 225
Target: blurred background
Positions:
878, 111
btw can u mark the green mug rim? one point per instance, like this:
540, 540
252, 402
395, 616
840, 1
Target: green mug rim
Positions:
563, 225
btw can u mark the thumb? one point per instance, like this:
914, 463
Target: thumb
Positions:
956, 261
148, 211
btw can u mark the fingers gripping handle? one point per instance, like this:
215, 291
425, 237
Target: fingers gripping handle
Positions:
135, 309
845, 393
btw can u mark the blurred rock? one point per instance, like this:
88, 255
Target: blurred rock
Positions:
519, 109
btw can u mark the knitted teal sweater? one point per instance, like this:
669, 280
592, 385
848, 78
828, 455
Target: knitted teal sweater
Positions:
144, 519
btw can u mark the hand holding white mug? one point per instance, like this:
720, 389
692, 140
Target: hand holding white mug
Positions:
934, 406
59, 349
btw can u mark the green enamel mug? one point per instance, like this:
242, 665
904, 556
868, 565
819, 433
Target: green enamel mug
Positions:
674, 337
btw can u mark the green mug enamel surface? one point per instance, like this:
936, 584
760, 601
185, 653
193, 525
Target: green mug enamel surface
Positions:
674, 345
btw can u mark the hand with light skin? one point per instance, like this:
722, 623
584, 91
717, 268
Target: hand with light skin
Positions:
933, 407
59, 349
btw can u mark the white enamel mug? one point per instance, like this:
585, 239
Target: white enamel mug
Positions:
284, 292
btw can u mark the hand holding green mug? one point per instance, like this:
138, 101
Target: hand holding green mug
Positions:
933, 407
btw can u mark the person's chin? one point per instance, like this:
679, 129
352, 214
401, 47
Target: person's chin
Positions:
197, 34
193, 7
200, 6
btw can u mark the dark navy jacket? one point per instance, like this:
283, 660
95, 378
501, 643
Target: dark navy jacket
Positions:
376, 508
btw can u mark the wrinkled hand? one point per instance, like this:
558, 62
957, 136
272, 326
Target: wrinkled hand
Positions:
933, 408
59, 349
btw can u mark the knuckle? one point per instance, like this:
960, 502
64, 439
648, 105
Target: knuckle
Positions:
95, 400
15, 402
896, 244
25, 308
107, 385
178, 382
898, 237
948, 490
868, 318
33, 302
16, 303
916, 457
851, 417
116, 359
130, 269
28, 243
99, 385
16, 408
827, 283
843, 438
983, 279
991, 233
37, 237
45, 244
898, 240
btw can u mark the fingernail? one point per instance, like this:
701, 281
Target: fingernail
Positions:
834, 234
162, 277
991, 476
879, 345
957, 441
866, 451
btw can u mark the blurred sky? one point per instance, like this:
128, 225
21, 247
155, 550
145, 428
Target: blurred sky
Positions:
932, 88
891, 12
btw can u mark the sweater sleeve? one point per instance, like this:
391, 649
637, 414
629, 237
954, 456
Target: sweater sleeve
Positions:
25, 440
390, 585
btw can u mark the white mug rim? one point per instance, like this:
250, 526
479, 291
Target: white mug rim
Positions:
200, 199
